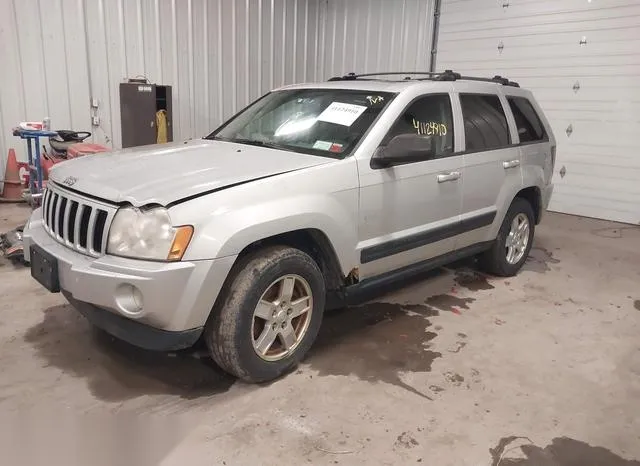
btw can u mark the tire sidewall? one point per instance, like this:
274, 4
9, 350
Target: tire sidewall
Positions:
297, 264
519, 206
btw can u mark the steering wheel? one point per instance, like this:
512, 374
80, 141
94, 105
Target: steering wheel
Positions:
71, 136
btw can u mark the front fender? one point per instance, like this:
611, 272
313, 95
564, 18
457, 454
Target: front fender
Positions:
228, 231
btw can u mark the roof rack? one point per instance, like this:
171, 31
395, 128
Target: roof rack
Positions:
496, 79
446, 75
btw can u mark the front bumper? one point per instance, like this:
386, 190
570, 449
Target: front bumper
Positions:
170, 297
133, 332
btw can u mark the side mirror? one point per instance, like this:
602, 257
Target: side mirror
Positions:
404, 148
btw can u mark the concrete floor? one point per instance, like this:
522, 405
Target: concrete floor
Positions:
455, 369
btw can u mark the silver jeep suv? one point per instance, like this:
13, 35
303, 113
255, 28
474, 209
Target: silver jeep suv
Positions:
311, 195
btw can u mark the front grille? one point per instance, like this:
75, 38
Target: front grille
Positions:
78, 223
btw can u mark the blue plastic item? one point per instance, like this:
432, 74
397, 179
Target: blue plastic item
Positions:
35, 168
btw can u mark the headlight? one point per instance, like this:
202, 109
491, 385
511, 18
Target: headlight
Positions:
147, 234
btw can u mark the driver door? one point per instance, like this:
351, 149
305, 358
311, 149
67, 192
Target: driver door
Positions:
409, 213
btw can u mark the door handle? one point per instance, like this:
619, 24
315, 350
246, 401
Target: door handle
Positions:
511, 164
451, 176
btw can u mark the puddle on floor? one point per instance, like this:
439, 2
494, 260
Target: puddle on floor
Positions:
562, 451
449, 303
539, 260
116, 370
376, 342
472, 280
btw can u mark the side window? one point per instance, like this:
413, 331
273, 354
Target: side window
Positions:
485, 123
528, 122
428, 116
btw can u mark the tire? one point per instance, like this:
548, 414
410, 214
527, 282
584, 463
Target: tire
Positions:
495, 259
234, 330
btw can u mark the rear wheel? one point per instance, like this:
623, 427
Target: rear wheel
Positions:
269, 315
513, 243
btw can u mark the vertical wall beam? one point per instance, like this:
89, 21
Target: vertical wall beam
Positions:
434, 36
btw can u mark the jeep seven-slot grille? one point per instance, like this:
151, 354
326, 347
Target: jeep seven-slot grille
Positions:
76, 222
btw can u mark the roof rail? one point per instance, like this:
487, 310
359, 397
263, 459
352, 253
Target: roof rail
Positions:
406, 74
446, 75
496, 79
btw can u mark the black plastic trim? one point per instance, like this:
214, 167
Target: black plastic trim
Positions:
361, 291
131, 331
417, 240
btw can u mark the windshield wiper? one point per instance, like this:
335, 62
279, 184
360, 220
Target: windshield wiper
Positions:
254, 142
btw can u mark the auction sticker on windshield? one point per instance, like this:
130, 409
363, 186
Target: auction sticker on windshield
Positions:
322, 145
341, 113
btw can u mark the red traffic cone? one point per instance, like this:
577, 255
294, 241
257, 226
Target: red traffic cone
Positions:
12, 190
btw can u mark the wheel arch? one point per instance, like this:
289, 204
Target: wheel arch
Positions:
313, 242
533, 196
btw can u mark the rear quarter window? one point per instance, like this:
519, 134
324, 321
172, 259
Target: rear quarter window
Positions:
528, 122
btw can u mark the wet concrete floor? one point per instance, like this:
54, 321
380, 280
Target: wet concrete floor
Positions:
453, 368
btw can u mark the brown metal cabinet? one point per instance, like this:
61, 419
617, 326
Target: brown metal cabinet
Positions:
139, 103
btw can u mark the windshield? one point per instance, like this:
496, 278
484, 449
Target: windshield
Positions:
327, 122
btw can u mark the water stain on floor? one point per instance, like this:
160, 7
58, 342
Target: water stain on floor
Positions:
472, 280
375, 342
449, 303
116, 370
562, 451
539, 260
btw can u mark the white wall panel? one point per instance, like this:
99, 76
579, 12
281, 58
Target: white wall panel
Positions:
366, 36
542, 50
217, 54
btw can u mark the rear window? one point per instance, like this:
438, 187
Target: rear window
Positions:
530, 128
485, 123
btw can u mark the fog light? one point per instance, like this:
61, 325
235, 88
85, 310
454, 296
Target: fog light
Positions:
129, 299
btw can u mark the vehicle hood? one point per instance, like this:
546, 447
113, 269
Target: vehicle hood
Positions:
166, 173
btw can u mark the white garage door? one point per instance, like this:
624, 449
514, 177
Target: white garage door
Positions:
581, 58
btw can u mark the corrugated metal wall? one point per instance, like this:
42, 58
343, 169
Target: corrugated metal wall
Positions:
43, 72
581, 58
217, 54
366, 36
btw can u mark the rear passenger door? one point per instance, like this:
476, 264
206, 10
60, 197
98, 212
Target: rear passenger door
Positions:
491, 172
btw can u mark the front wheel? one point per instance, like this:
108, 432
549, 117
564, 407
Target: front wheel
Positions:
269, 315
513, 243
